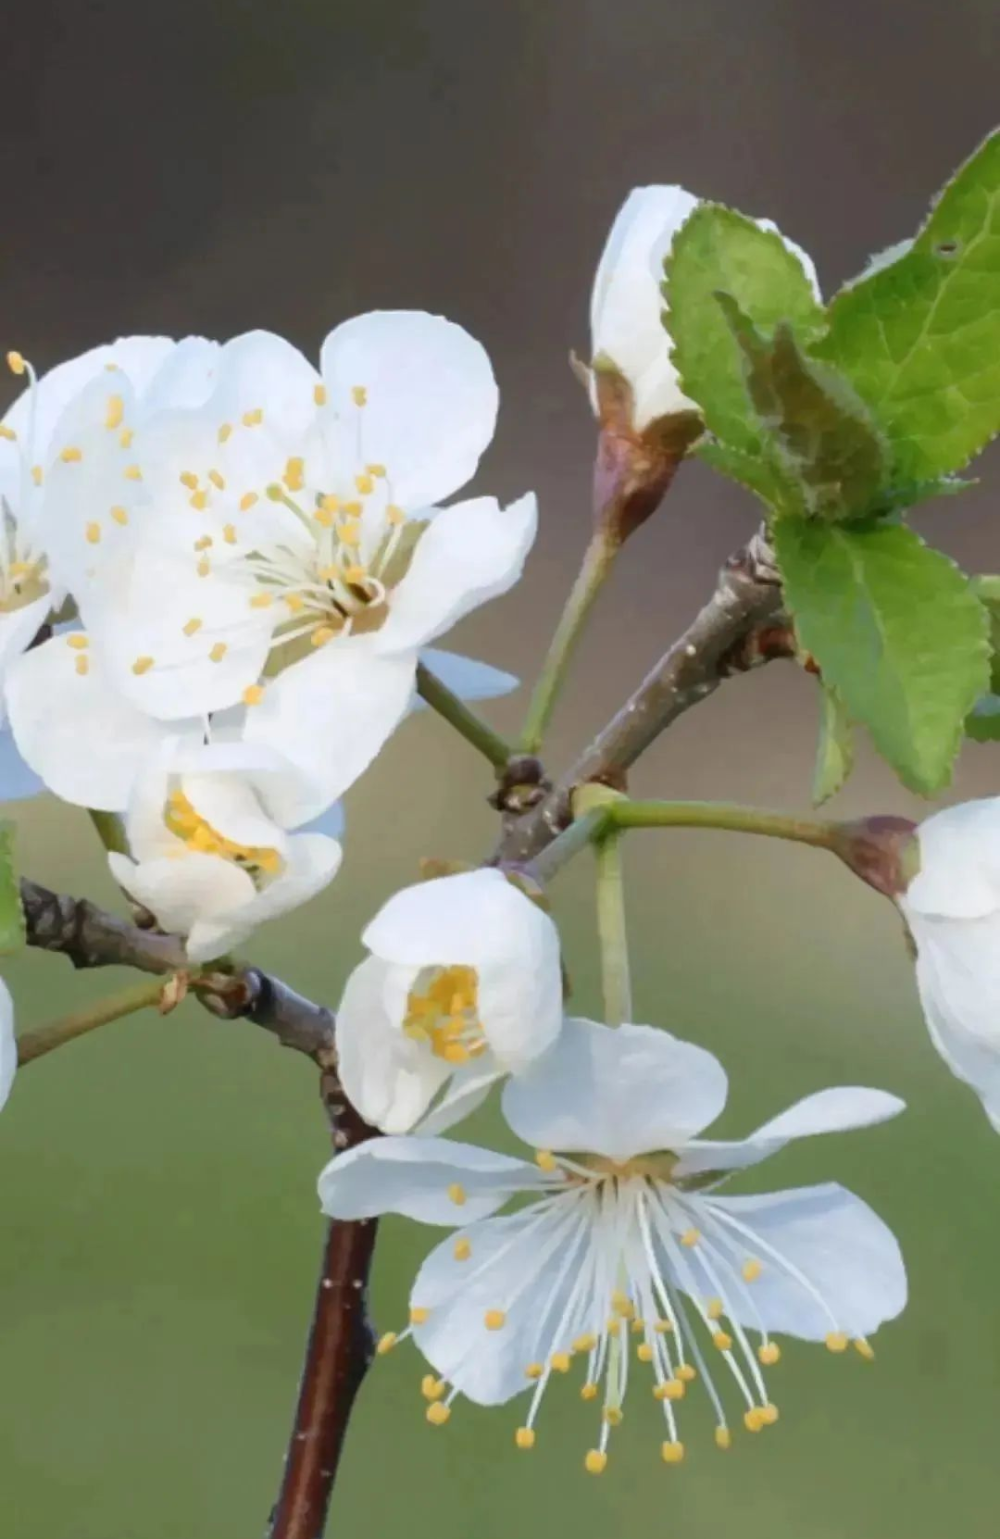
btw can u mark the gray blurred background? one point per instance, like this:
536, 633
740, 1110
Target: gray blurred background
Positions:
220, 165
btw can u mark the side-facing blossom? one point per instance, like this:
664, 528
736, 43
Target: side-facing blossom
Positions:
280, 546
626, 1250
952, 909
8, 1043
206, 857
463, 986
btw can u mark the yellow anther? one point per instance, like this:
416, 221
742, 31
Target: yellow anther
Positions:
613, 1415
353, 573
132, 473
534, 1371
225, 432
322, 634
438, 1413
419, 1315
686, 1373
769, 1353
612, 1325
352, 510
82, 662
456, 1193
294, 477
93, 533
19, 569
452, 1052
751, 1269
205, 542
753, 1419
189, 479
275, 493
120, 515
864, 1349
365, 485
204, 567
330, 503
115, 412
622, 1304
663, 1327
837, 1342
690, 1237
142, 665
672, 1453
295, 602
769, 1414
7, 433
37, 474
229, 534
218, 652
670, 1389
253, 418
78, 641
262, 600
111, 368
217, 480
596, 1462
359, 395
588, 1391
324, 518
247, 501
199, 500
253, 694
71, 455
644, 1352
714, 1309
378, 471
125, 438
319, 394
15, 362
349, 534
585, 1343
395, 515
524, 1437
546, 1160
432, 1388
723, 1341
559, 1362
463, 1250
192, 626
638, 1326
723, 1437
386, 1343
494, 1319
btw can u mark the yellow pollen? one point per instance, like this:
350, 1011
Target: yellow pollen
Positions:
352, 509
253, 694
753, 1419
670, 1389
386, 1343
612, 1325
37, 474
7, 433
322, 634
142, 665
15, 362
217, 480
132, 473
769, 1414
78, 641
864, 1349
218, 652
395, 515
275, 493
644, 1352
294, 477
690, 1237
534, 1370
559, 1362
324, 518
463, 1250
622, 1304
247, 501
359, 395
588, 1391
378, 471
353, 573
494, 1319
686, 1373
71, 455
120, 515
295, 602
638, 1326
672, 1453
199, 500
613, 1415
769, 1354
93, 533
596, 1462
319, 394
524, 1437
204, 543
189, 479
349, 534
192, 626
836, 1341
365, 485
751, 1270
663, 1327
457, 1194
714, 1309
419, 1315
225, 432
432, 1388
723, 1437
253, 418
438, 1413
546, 1160
82, 662
723, 1341
115, 412
585, 1343
125, 438
330, 503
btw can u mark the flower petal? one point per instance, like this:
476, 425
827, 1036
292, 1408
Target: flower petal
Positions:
466, 1090
431, 402
827, 1111
466, 677
390, 1080
138, 357
632, 1090
17, 781
414, 1176
8, 1043
959, 876
182, 891
18, 629
468, 554
958, 975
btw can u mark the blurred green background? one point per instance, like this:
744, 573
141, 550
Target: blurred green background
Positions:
224, 164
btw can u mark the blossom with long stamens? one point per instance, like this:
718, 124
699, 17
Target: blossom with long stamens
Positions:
462, 986
8, 1043
627, 1264
281, 546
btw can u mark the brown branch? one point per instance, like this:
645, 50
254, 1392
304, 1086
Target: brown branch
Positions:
747, 596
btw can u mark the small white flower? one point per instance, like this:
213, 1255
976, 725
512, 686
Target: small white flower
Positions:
952, 908
627, 1250
281, 545
463, 985
8, 1043
627, 303
209, 861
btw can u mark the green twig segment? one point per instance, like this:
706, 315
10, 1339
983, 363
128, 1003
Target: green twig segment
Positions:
597, 563
45, 1039
475, 731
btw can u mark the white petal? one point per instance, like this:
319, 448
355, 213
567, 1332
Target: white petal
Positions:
959, 876
388, 1078
329, 714
184, 890
138, 357
17, 630
261, 371
431, 398
311, 863
412, 1176
850, 1274
230, 805
466, 1090
75, 731
466, 677
8, 1043
468, 554
958, 974
17, 781
185, 378
827, 1111
617, 1092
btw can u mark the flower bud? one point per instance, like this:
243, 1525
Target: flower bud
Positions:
884, 851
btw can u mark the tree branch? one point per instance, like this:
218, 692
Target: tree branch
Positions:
747, 595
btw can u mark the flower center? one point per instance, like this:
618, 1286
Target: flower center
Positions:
259, 862
442, 1010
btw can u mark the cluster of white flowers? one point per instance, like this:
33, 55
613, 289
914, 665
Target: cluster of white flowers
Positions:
219, 569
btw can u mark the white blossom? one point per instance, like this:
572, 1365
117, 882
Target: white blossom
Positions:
626, 1249
463, 986
8, 1043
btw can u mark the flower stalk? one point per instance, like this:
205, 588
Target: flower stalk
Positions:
466, 723
616, 978
45, 1039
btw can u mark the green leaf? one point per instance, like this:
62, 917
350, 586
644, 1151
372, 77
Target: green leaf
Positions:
919, 337
983, 721
822, 432
758, 474
897, 628
717, 249
12, 930
835, 754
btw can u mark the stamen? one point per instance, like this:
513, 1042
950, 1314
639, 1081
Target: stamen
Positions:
319, 395
120, 515
71, 455
524, 1437
92, 533
438, 1413
359, 395
495, 1320
15, 362
596, 1462
456, 1193
142, 665
672, 1453
253, 694
115, 412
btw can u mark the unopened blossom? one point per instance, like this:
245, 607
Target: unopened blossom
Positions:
8, 1043
280, 547
206, 858
463, 986
952, 909
627, 1265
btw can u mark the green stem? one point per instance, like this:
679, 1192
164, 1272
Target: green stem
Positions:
585, 829
441, 699
110, 831
726, 815
615, 976
45, 1039
597, 563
